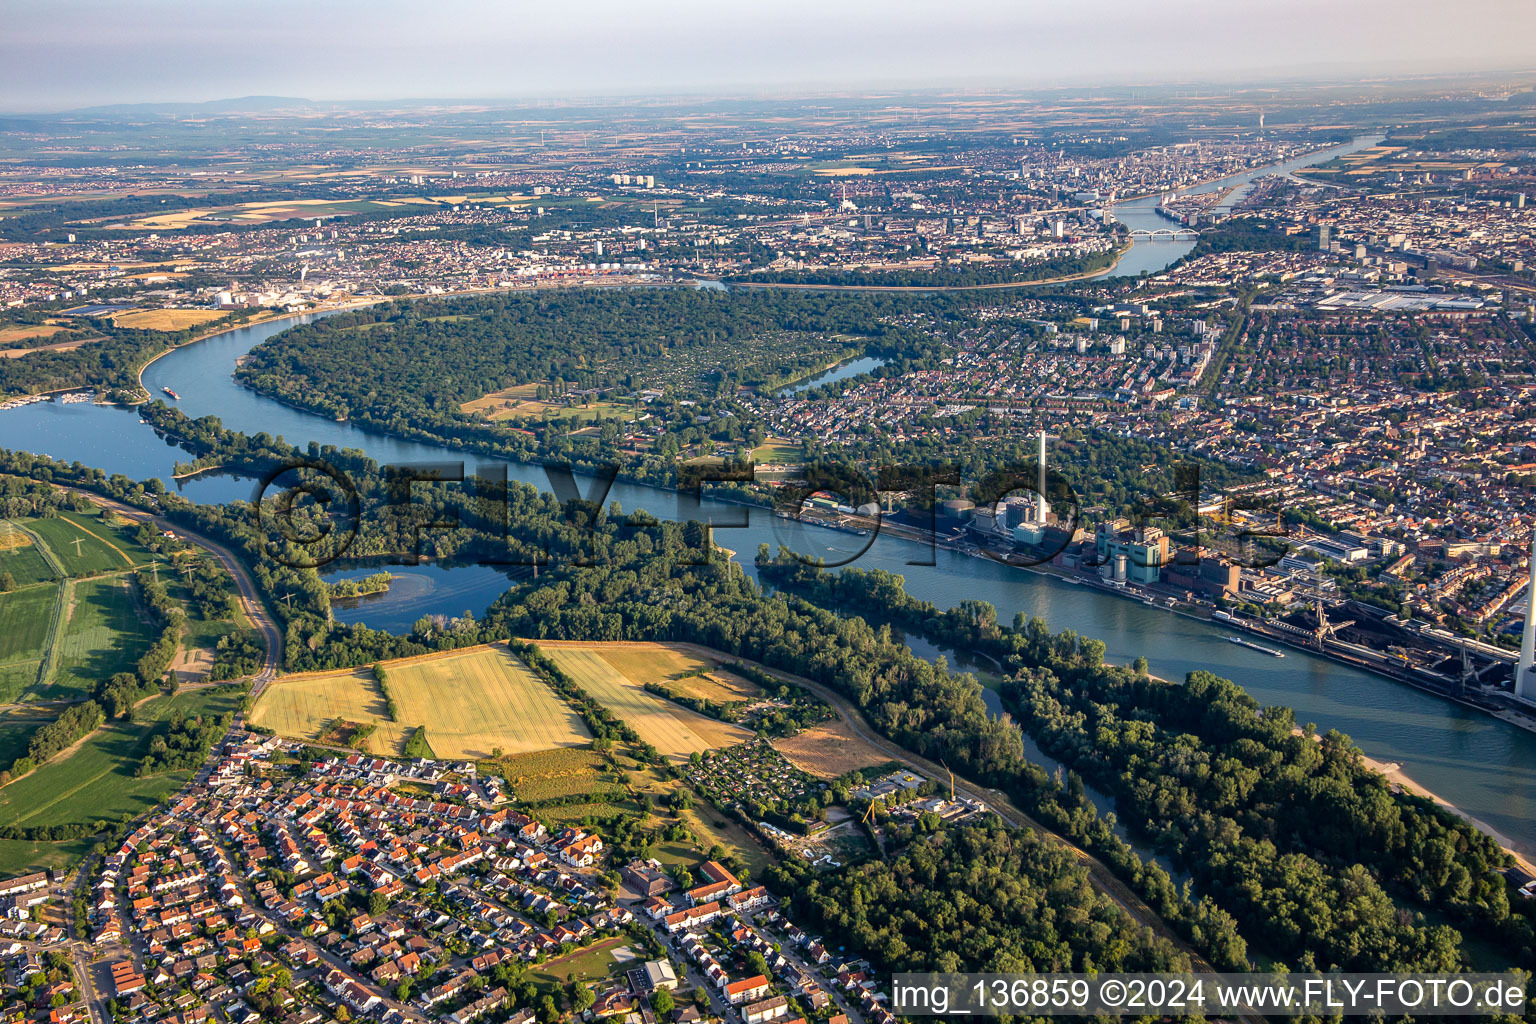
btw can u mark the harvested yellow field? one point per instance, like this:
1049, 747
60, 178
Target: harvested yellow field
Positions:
12, 539
675, 731
58, 346
522, 402
27, 332
829, 750
682, 670
303, 707
167, 319
171, 221
471, 702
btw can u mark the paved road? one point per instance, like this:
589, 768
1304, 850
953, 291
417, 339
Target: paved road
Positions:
250, 599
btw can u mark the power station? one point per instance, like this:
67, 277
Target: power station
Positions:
1523, 687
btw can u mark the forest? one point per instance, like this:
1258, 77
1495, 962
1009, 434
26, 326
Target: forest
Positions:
980, 900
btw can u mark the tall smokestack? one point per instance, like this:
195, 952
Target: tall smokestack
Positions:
1041, 508
1528, 639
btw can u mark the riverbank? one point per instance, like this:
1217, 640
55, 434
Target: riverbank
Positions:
254, 321
1395, 774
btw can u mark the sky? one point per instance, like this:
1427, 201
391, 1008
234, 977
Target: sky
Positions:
60, 54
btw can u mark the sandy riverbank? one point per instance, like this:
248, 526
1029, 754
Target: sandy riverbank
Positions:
1394, 773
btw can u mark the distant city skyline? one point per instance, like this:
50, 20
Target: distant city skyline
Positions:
72, 53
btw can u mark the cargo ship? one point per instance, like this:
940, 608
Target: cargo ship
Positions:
1257, 647
171, 393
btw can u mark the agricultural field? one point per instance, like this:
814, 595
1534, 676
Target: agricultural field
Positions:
25, 618
682, 670
472, 703
564, 771
118, 534
82, 544
829, 750
95, 781
675, 731
305, 707
104, 632
16, 728
57, 346
10, 334
167, 319
20, 557
521, 402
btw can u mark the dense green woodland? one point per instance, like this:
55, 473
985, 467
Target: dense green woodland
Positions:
410, 365
981, 899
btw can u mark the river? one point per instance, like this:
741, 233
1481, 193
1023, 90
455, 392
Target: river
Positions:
1477, 762
1148, 256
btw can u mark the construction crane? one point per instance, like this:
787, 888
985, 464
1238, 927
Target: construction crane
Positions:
951, 781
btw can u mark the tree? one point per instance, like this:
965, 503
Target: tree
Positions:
662, 1002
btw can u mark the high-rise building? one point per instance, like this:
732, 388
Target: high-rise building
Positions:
1323, 238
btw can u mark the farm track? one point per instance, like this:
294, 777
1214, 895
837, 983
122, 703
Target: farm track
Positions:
251, 605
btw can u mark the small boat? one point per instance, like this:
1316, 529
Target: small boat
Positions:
1257, 647
171, 393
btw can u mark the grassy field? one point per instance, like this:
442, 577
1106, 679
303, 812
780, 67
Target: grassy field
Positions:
776, 453
105, 633
167, 319
20, 557
24, 856
24, 618
675, 731
95, 552
590, 964
471, 702
95, 782
829, 750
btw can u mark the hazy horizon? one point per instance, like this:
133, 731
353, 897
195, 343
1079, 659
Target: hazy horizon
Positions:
75, 53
